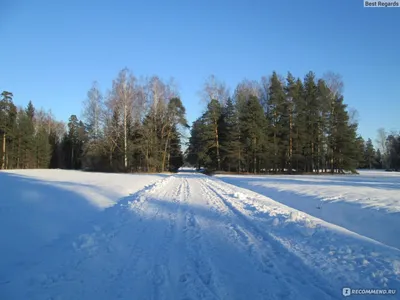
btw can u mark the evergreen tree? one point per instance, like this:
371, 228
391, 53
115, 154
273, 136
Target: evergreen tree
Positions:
175, 116
28, 137
343, 139
231, 147
369, 154
362, 159
175, 155
73, 142
7, 121
278, 129
212, 122
393, 152
300, 127
312, 113
292, 94
199, 143
322, 126
253, 124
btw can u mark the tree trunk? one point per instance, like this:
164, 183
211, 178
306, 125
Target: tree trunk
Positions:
19, 152
312, 157
165, 151
169, 158
239, 161
290, 143
275, 153
240, 154
255, 156
72, 158
3, 160
217, 144
125, 138
147, 159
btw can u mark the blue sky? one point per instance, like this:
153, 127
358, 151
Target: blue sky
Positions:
52, 51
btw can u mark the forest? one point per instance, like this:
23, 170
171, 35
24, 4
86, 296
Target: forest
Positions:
275, 125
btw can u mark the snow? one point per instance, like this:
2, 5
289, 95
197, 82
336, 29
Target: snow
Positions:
38, 207
368, 204
181, 236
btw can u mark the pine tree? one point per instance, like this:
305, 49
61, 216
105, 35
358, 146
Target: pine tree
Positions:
393, 152
212, 122
311, 111
7, 120
175, 155
175, 116
253, 128
343, 139
323, 101
291, 95
278, 122
71, 143
199, 143
362, 158
300, 127
43, 149
369, 154
28, 137
230, 138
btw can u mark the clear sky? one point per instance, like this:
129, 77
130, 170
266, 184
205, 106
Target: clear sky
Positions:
52, 51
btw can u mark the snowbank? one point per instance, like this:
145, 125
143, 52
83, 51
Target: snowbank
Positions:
368, 204
37, 207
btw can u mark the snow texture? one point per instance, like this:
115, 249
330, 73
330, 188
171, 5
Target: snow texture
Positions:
368, 204
182, 236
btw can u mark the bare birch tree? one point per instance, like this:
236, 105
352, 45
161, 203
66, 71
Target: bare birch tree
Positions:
213, 89
334, 82
381, 140
92, 114
122, 97
247, 88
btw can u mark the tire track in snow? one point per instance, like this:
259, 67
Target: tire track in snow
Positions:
238, 234
177, 246
267, 255
148, 265
199, 276
137, 252
161, 271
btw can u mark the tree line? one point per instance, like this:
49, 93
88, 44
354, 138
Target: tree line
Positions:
29, 137
275, 125
387, 153
136, 127
282, 125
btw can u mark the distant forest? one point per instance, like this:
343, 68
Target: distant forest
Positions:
276, 125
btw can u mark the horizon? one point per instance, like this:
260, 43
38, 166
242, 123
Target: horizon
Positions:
55, 51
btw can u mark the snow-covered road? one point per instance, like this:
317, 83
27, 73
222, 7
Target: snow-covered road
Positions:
189, 236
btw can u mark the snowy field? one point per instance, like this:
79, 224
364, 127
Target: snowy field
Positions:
76, 235
368, 204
